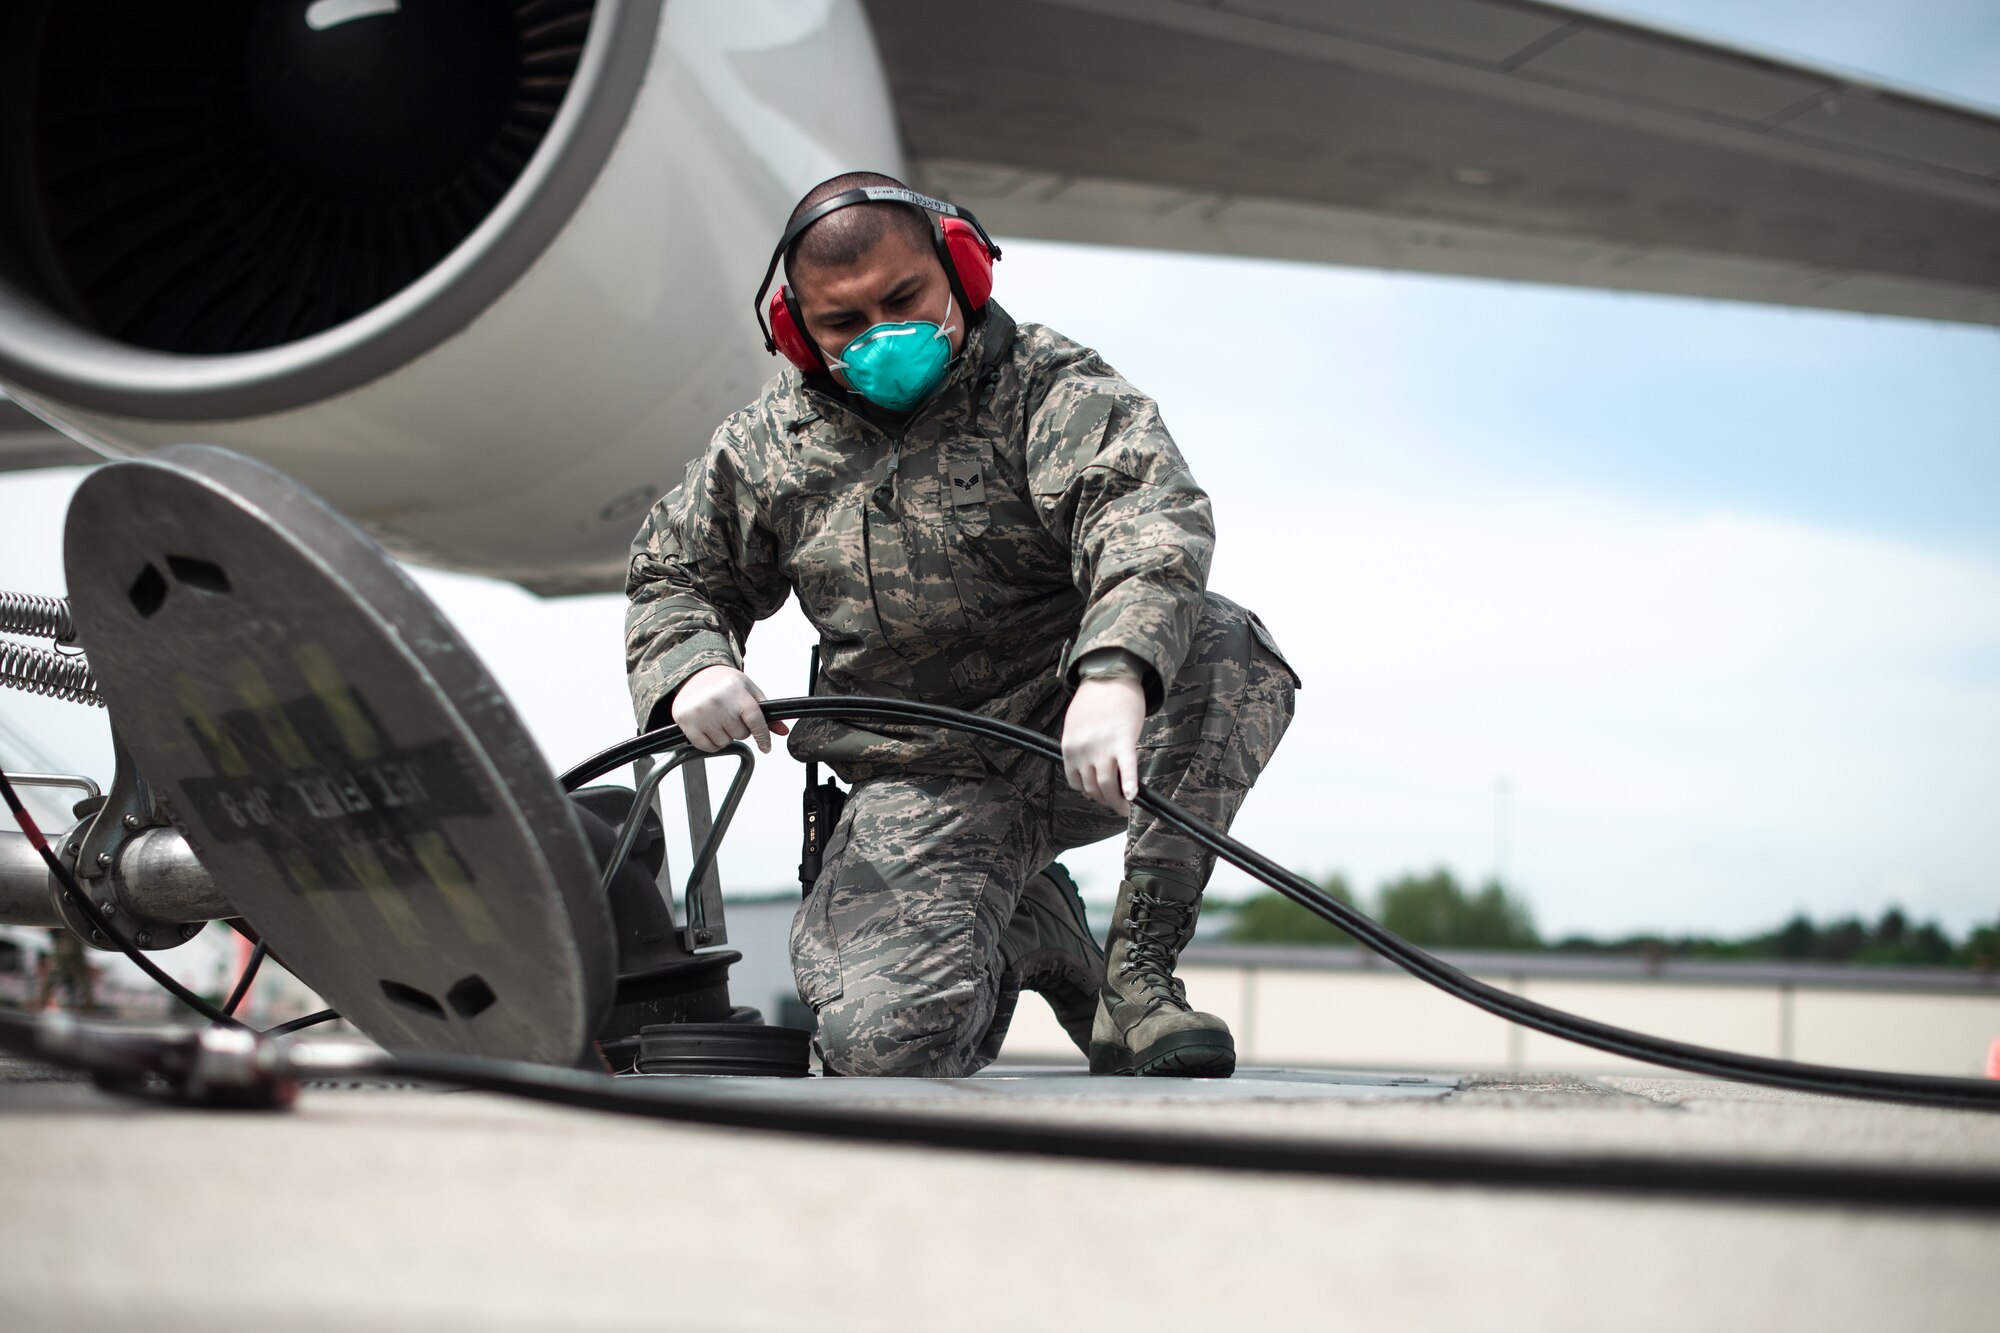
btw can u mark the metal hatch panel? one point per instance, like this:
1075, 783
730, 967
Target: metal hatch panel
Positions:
338, 759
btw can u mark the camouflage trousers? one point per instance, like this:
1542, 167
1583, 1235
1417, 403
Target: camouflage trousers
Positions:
897, 949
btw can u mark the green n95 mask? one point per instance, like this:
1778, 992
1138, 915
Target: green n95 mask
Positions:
897, 366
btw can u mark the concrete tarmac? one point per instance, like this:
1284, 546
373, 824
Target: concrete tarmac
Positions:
416, 1209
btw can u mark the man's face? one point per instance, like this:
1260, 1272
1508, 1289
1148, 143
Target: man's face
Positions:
896, 280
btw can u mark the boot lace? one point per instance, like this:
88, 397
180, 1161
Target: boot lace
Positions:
1157, 928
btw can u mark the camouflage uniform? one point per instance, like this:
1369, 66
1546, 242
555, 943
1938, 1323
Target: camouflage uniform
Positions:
1032, 511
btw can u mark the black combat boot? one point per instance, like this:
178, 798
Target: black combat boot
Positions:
1048, 944
1144, 1025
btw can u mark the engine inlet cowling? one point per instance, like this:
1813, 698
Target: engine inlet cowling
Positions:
228, 176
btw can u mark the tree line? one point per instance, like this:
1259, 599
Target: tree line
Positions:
1434, 911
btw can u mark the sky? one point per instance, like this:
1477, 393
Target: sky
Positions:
1949, 48
1679, 615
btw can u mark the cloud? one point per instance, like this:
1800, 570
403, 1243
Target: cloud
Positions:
1706, 718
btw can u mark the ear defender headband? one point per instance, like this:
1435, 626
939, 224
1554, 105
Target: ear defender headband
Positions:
962, 246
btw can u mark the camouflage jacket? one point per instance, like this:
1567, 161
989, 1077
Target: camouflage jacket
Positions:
1033, 510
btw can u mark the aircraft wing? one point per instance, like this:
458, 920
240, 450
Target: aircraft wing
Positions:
1496, 138
28, 442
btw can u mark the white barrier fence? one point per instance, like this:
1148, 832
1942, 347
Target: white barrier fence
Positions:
1327, 1008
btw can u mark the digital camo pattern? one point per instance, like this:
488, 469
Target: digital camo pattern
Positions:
897, 949
1032, 511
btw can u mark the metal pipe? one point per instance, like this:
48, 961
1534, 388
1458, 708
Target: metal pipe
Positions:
159, 879
156, 879
87, 786
24, 884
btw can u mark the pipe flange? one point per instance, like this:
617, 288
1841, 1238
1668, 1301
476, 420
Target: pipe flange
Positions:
84, 924
109, 901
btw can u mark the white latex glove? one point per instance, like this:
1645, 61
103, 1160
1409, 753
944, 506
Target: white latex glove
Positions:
717, 705
1100, 740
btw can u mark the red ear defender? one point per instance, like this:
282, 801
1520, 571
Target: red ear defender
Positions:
963, 247
971, 259
790, 337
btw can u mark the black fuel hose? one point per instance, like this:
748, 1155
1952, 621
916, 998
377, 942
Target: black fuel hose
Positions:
107, 1051
248, 975
1877, 1085
1882, 1185
173, 1067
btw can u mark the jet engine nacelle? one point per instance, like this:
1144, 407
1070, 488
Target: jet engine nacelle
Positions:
479, 274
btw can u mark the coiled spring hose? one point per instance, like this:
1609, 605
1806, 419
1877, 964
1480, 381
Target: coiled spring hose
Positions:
58, 675
51, 674
36, 617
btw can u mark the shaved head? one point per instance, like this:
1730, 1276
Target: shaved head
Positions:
842, 237
866, 264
